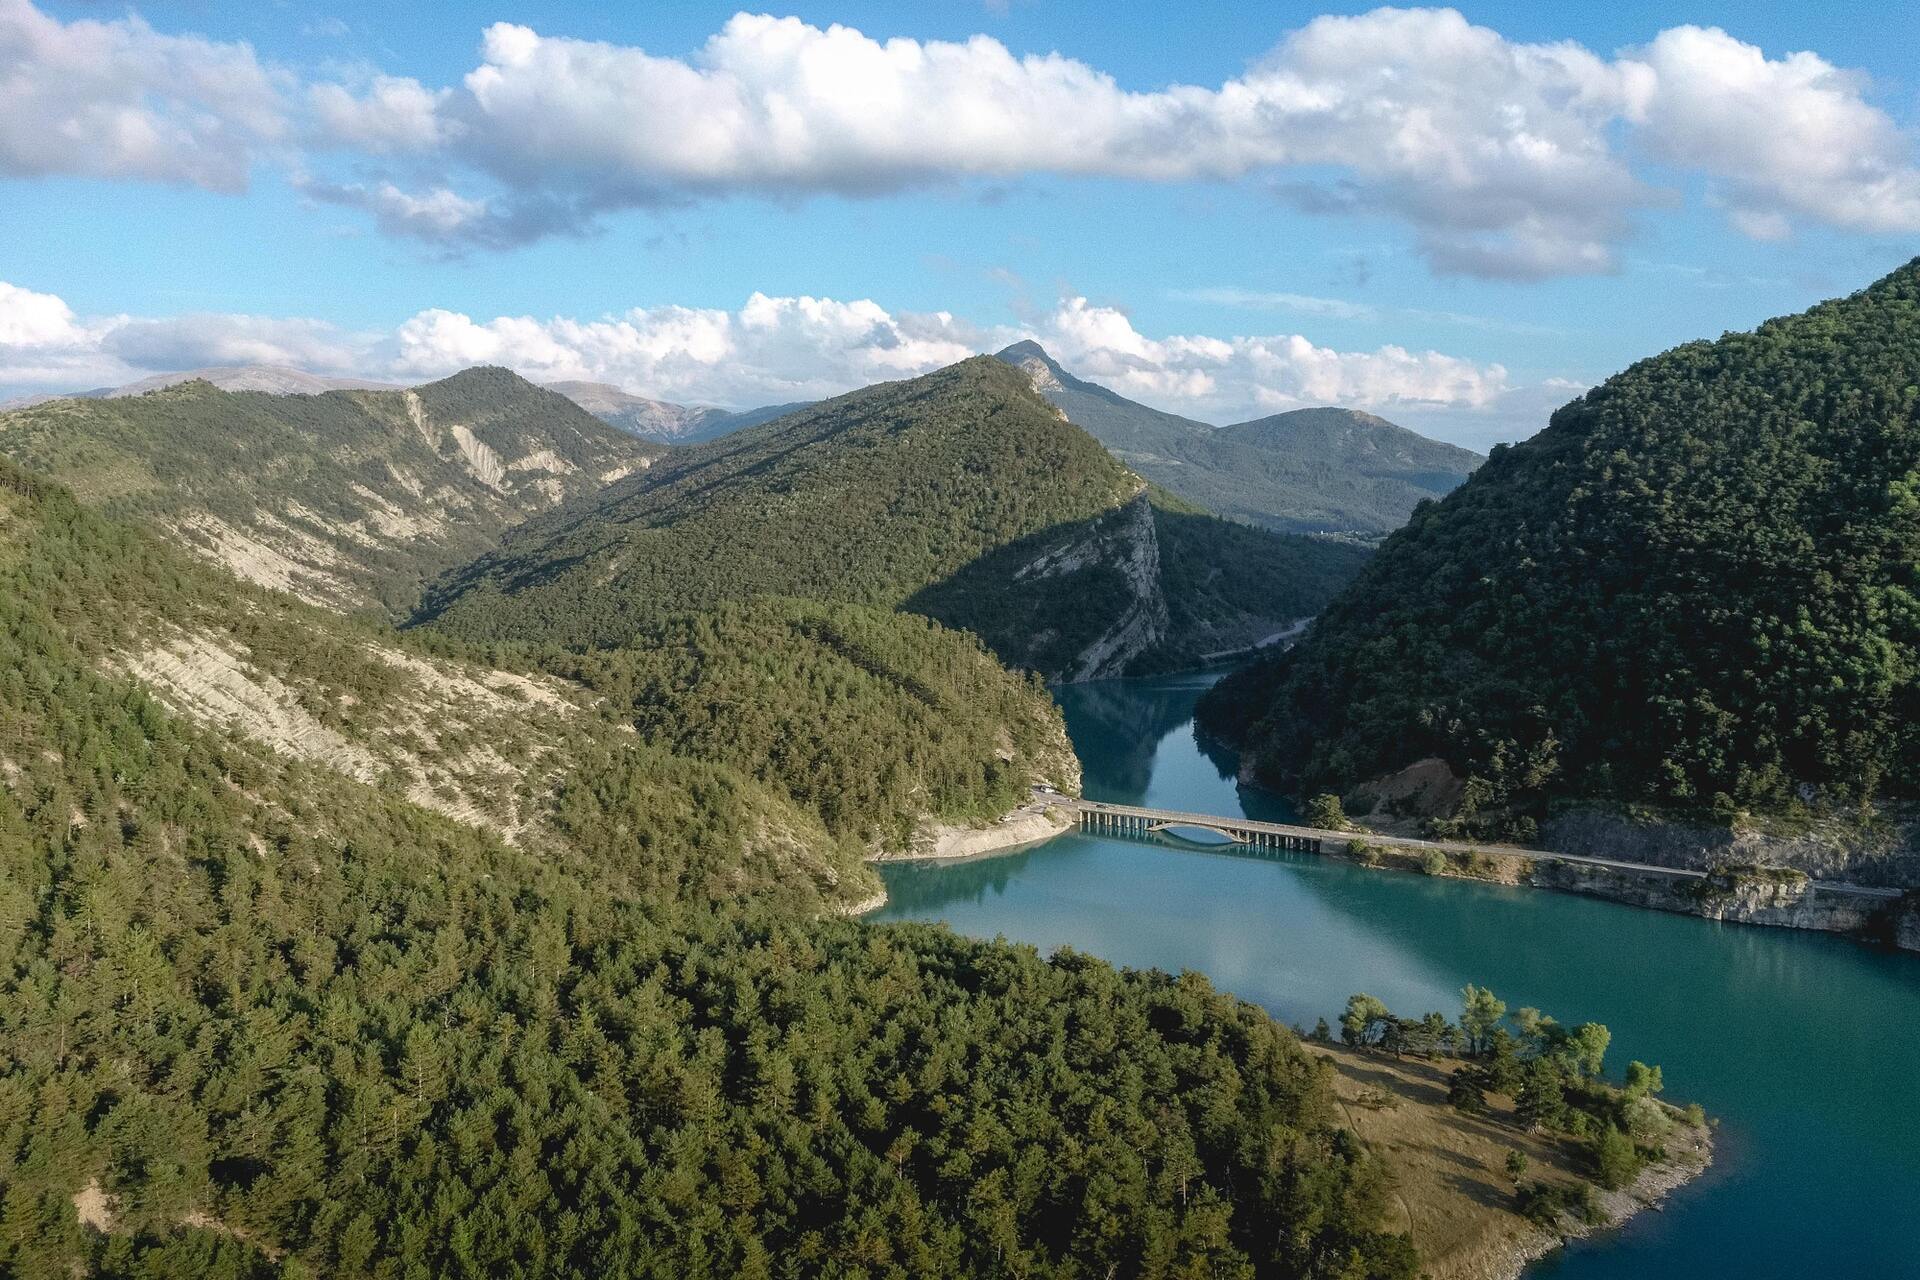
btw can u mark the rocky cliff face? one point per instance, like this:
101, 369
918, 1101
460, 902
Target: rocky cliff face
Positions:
657, 420
1743, 898
1128, 543
1886, 855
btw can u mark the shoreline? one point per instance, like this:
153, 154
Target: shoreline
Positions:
1731, 895
1874, 913
1649, 1193
1029, 824
1451, 1192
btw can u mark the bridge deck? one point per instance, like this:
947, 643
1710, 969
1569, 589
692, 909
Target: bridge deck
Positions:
1140, 820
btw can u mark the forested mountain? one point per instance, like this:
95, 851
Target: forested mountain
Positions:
1362, 470
661, 420
333, 953
960, 495
1696, 589
1337, 471
349, 498
872, 722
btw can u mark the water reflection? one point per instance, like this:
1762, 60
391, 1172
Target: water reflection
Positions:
1805, 1045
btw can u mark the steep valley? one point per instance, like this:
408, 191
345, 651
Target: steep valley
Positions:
329, 948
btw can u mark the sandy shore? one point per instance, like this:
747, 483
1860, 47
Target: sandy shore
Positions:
1016, 829
1029, 824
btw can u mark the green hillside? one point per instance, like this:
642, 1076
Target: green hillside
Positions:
961, 495
1316, 471
1696, 589
1340, 469
869, 719
352, 499
262, 1018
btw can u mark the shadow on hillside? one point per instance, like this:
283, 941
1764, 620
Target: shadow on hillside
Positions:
1042, 601
1039, 601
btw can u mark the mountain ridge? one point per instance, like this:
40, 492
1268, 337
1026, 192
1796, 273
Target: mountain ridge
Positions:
664, 421
960, 494
348, 498
1317, 471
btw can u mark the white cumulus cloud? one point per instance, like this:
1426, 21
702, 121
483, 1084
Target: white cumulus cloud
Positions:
117, 99
43, 344
771, 349
393, 113
1504, 157
1784, 138
1225, 378
34, 321
197, 340
775, 349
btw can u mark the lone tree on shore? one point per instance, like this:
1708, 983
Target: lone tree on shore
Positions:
1542, 1103
1364, 1021
1643, 1080
1480, 1012
1325, 812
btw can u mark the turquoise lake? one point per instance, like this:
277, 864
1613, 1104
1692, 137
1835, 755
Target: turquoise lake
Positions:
1805, 1046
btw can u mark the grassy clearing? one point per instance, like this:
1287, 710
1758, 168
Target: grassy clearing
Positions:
1452, 1192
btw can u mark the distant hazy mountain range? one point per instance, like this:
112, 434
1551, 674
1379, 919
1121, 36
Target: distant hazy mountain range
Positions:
1317, 471
663, 421
1328, 470
274, 379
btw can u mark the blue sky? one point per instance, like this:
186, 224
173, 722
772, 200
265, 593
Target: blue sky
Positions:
1454, 220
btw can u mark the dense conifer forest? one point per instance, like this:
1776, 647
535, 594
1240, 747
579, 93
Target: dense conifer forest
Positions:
1696, 589
866, 717
863, 499
262, 1019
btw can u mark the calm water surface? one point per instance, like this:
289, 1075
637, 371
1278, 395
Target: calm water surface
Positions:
1807, 1047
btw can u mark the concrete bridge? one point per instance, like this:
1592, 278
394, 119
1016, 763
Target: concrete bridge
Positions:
1125, 819
1101, 818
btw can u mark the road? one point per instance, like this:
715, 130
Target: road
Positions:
1234, 826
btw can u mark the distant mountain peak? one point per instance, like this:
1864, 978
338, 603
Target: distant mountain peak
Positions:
961, 495
1362, 437
1327, 470
1041, 369
661, 421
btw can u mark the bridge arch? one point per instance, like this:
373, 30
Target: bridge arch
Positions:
1179, 830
